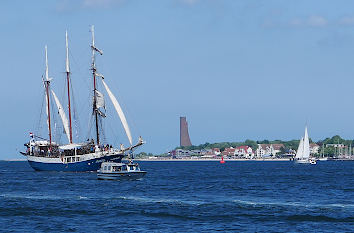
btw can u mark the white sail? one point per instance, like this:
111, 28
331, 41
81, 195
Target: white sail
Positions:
63, 117
99, 100
306, 145
120, 112
300, 149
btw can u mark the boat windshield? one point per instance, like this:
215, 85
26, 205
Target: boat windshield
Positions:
117, 168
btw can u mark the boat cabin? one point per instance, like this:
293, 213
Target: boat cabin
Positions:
42, 149
111, 167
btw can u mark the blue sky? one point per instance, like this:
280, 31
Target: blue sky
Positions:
236, 69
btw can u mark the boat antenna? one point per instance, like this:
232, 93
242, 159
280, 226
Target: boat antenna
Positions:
93, 68
67, 69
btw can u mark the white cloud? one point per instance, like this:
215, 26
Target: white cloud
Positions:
189, 2
311, 21
100, 3
317, 21
346, 21
296, 22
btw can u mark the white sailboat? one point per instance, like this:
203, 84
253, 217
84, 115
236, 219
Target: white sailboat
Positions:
303, 151
47, 155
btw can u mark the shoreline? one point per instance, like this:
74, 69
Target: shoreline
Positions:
197, 160
202, 160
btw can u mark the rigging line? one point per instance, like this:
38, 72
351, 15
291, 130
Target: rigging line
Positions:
102, 131
130, 116
89, 127
74, 111
116, 138
38, 126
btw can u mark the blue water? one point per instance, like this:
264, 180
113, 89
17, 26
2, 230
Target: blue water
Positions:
182, 197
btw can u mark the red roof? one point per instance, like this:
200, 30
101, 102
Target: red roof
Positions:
277, 146
243, 147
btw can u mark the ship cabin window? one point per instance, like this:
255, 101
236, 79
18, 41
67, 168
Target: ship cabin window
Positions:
77, 159
131, 167
73, 159
109, 168
105, 168
116, 168
124, 168
68, 160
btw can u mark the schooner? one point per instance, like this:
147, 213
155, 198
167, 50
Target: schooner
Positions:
43, 154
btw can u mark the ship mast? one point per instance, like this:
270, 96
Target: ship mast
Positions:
68, 84
93, 68
46, 84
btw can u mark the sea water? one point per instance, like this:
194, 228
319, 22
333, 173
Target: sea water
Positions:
182, 197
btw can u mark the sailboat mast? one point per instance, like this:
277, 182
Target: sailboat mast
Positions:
47, 82
93, 67
68, 84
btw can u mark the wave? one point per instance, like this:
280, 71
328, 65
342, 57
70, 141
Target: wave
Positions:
318, 218
132, 198
186, 202
162, 200
295, 204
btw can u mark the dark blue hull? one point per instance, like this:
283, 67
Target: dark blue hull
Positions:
83, 166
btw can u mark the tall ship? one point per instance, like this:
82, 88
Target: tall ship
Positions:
45, 154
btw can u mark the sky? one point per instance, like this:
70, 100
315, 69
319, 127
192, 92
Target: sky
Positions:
237, 69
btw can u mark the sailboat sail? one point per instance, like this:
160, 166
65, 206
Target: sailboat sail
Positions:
300, 149
306, 152
63, 117
119, 111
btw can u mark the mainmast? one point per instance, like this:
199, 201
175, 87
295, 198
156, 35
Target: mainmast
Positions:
68, 84
93, 67
46, 84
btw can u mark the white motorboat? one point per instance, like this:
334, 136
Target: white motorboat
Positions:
120, 171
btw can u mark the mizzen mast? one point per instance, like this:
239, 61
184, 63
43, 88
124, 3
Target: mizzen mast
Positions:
93, 68
68, 84
46, 85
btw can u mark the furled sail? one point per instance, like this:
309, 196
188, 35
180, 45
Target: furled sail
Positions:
306, 145
63, 117
99, 100
119, 111
300, 149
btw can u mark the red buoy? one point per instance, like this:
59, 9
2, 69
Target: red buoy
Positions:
222, 160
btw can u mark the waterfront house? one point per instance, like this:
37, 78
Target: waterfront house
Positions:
229, 151
314, 148
244, 151
265, 150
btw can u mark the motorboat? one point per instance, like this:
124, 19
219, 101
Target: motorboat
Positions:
120, 171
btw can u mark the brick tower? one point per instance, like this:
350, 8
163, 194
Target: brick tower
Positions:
184, 135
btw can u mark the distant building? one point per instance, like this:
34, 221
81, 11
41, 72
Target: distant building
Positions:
335, 145
245, 151
229, 151
216, 151
268, 149
184, 135
314, 148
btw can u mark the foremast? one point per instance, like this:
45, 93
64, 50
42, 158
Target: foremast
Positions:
46, 85
93, 68
67, 69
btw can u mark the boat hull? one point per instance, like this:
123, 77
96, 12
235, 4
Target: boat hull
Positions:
55, 164
121, 175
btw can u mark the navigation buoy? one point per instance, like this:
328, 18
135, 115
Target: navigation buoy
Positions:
222, 160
